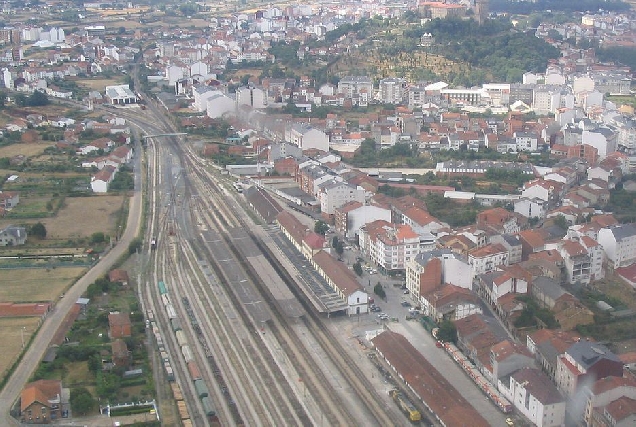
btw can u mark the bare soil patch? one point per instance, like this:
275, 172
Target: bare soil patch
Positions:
83, 216
37, 284
99, 84
11, 334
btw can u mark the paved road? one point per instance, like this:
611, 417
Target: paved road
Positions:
36, 351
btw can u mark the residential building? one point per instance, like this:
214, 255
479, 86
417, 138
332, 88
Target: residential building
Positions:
619, 244
307, 137
548, 344
392, 90
121, 356
507, 280
507, 357
102, 179
353, 215
512, 244
585, 362
334, 194
390, 246
548, 191
450, 302
547, 291
41, 402
357, 88
577, 262
487, 258
429, 270
498, 219
531, 208
13, 235
536, 397
119, 325
615, 391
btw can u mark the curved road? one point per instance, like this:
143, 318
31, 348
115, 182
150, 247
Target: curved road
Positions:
39, 345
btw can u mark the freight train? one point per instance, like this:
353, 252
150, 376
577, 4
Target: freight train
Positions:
406, 406
193, 369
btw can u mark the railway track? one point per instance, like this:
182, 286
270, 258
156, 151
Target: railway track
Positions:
211, 212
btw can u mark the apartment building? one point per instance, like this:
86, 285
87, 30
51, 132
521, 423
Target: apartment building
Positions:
390, 246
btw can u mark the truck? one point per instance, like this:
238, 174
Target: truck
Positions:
405, 405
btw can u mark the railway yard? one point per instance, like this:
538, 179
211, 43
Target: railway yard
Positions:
236, 338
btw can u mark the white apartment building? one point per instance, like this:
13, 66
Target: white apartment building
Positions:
392, 90
534, 395
357, 88
526, 141
576, 262
390, 246
252, 96
597, 256
334, 194
306, 137
487, 258
619, 243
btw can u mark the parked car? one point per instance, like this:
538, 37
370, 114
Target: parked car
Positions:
406, 291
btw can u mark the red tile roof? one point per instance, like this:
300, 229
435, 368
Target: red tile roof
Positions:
338, 272
427, 382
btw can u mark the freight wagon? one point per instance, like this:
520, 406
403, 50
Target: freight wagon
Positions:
176, 391
172, 314
162, 288
202, 390
169, 371
165, 300
164, 356
208, 407
193, 368
183, 410
181, 338
176, 324
187, 353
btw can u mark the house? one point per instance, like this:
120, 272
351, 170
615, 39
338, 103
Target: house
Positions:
120, 354
476, 334
41, 401
532, 241
577, 262
499, 220
307, 137
118, 275
546, 291
450, 302
512, 244
536, 397
507, 357
488, 258
494, 285
548, 344
119, 325
9, 199
609, 402
13, 235
102, 179
619, 243
585, 362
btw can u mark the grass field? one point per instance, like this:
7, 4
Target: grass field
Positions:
11, 333
36, 284
28, 150
80, 217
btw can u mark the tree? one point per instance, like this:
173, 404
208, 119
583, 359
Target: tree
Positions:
357, 268
37, 99
82, 402
98, 237
339, 248
135, 245
447, 332
379, 291
321, 227
38, 230
561, 222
